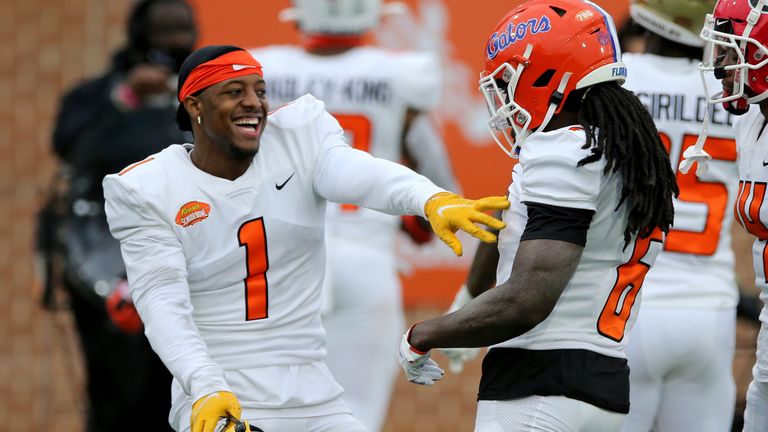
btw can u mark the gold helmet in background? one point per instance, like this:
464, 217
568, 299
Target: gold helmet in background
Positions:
677, 20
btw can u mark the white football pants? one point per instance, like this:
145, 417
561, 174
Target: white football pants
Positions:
330, 423
681, 377
545, 414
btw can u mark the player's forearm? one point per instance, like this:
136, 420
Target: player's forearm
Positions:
165, 309
355, 177
540, 273
495, 316
160, 292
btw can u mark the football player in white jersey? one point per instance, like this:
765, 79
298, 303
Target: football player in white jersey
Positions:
591, 196
681, 349
736, 35
379, 97
224, 246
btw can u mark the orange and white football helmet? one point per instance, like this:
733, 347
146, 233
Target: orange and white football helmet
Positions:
539, 53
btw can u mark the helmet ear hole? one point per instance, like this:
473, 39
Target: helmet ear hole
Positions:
544, 79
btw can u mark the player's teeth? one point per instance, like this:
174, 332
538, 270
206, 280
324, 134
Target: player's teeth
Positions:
247, 122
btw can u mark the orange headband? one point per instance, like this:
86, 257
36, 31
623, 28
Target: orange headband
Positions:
227, 66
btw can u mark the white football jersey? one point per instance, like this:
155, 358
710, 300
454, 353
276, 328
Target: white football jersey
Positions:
368, 90
696, 266
599, 304
246, 257
751, 210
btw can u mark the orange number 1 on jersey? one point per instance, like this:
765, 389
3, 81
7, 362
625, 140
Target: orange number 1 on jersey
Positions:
253, 236
629, 278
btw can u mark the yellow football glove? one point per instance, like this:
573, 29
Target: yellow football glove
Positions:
448, 212
217, 411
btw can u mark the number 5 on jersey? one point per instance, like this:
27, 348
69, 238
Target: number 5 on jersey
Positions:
712, 195
629, 278
253, 236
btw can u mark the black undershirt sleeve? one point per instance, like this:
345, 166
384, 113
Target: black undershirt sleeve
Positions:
557, 223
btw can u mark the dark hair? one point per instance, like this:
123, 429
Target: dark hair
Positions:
138, 22
198, 57
137, 49
619, 127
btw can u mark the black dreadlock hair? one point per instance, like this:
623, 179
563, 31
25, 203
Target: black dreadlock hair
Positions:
619, 127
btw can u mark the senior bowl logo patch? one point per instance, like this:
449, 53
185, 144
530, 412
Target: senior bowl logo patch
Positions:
192, 213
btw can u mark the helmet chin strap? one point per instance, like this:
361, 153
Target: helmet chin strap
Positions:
557, 99
759, 98
523, 133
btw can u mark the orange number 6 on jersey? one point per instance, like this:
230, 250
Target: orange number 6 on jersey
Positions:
629, 278
253, 236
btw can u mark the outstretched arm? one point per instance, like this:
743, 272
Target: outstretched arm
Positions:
343, 174
546, 258
541, 270
481, 278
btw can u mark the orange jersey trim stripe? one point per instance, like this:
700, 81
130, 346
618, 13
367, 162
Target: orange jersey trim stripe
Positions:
280, 107
130, 167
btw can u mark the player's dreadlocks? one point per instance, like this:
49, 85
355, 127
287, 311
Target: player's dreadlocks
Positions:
618, 126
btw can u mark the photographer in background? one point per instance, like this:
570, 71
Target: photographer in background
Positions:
104, 124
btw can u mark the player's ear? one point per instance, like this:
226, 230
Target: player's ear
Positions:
193, 105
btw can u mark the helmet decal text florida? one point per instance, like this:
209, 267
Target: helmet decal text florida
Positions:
499, 41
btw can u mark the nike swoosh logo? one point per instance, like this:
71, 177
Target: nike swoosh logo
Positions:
721, 22
444, 208
765, 163
279, 187
238, 67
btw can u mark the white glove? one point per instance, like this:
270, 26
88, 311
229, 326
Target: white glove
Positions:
458, 356
418, 367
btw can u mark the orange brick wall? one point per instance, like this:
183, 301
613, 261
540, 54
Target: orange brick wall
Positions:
45, 47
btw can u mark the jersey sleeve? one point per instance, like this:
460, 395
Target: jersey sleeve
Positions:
343, 174
418, 79
551, 174
157, 277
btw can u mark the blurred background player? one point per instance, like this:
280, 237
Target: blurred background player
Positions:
681, 349
584, 226
380, 98
631, 36
103, 124
736, 35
